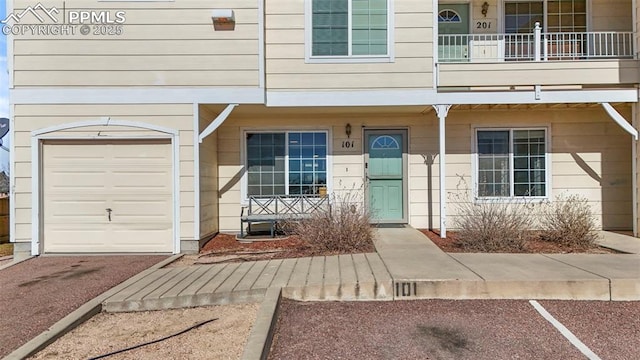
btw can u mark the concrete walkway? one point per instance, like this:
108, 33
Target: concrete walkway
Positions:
343, 277
420, 270
407, 266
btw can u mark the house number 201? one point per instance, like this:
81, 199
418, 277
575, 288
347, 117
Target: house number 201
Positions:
348, 144
483, 25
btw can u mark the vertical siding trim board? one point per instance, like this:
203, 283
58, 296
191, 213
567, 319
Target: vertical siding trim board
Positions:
634, 169
434, 3
36, 168
12, 173
261, 47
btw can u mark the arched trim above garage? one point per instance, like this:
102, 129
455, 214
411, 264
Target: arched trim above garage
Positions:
61, 132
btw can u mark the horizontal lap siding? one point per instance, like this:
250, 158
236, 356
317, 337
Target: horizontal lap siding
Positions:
30, 117
208, 177
590, 156
286, 68
162, 44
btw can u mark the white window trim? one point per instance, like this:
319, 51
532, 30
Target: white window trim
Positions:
308, 40
501, 14
244, 181
475, 165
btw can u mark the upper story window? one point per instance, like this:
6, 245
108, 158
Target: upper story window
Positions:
558, 16
349, 28
449, 16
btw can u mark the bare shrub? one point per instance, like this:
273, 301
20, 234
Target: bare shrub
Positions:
569, 221
494, 225
343, 228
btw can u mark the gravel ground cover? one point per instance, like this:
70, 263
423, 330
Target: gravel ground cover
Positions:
39, 292
609, 329
224, 338
421, 329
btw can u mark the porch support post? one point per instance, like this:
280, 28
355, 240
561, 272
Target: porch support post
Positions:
217, 122
620, 120
442, 111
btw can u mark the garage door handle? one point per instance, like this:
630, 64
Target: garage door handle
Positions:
109, 213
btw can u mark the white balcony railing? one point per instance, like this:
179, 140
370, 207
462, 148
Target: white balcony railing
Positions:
523, 47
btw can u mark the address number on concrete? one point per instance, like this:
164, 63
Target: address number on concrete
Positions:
406, 289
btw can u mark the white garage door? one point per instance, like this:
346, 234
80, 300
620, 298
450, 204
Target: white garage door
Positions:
107, 196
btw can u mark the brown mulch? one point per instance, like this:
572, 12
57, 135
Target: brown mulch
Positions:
534, 245
38, 292
227, 248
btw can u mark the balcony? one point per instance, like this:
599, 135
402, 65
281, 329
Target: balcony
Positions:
537, 58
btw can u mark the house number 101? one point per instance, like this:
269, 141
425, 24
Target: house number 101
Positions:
348, 144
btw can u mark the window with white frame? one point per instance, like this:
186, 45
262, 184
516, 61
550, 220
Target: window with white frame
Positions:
349, 28
511, 162
556, 16
286, 163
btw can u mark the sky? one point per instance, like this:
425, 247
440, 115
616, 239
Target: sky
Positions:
4, 90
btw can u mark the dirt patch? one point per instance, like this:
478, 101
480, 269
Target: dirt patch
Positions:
226, 248
423, 329
38, 292
533, 245
223, 338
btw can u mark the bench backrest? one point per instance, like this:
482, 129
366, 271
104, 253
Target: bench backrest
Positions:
287, 204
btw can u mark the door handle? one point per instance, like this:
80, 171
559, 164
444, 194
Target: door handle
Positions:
109, 213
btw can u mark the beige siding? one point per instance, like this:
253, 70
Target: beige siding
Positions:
162, 44
208, 177
285, 53
540, 73
590, 155
33, 117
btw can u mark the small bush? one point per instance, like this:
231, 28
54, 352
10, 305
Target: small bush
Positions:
494, 225
570, 222
343, 228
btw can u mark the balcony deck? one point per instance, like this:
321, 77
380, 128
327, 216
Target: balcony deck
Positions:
537, 58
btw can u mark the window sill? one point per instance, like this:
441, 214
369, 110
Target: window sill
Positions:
348, 60
514, 199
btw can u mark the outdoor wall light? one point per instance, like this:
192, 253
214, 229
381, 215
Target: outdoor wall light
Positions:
223, 19
485, 8
347, 130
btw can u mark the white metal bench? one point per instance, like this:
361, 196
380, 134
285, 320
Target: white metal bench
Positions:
273, 209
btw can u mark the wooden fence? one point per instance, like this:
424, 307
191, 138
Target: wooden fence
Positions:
4, 220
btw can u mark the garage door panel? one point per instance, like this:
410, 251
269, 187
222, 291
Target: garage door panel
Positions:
132, 178
65, 180
140, 180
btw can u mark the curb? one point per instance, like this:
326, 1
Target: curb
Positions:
15, 262
79, 316
261, 336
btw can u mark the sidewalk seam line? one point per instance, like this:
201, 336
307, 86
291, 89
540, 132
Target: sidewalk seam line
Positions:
466, 267
576, 267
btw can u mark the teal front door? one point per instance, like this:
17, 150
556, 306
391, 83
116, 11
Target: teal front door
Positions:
385, 173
